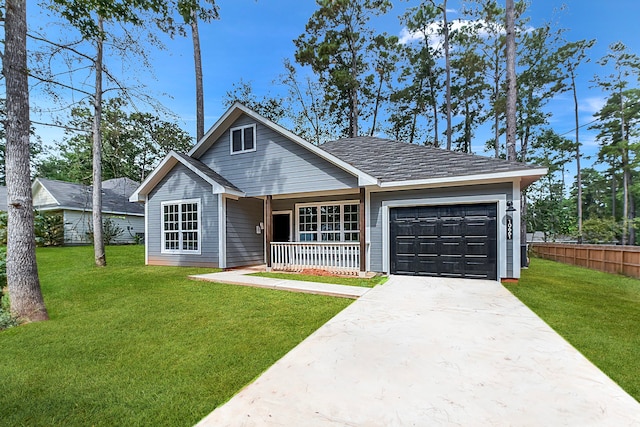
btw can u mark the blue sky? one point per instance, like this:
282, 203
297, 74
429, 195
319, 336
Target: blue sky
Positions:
252, 39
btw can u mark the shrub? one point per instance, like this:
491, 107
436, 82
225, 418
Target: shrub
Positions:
110, 231
49, 229
3, 228
6, 321
601, 230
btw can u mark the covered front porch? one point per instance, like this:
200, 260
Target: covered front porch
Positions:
326, 232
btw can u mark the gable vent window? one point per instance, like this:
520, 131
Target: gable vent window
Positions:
243, 139
181, 226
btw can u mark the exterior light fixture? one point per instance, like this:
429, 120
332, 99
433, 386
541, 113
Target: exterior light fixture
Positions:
509, 219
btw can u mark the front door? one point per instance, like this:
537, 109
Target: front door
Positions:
281, 227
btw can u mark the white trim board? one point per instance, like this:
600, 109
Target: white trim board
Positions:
222, 231
285, 212
180, 251
500, 199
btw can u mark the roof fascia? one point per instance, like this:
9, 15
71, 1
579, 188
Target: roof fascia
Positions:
41, 185
237, 109
533, 174
164, 167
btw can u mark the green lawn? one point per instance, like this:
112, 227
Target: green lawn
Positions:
349, 281
598, 313
135, 345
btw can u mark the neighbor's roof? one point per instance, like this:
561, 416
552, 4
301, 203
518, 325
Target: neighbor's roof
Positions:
69, 195
400, 162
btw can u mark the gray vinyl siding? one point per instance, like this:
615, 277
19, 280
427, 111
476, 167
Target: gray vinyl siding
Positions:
375, 215
181, 184
244, 245
277, 166
78, 226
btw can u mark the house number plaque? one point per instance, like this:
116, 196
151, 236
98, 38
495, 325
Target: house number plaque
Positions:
509, 228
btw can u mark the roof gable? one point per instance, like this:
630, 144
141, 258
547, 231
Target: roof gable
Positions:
218, 183
237, 109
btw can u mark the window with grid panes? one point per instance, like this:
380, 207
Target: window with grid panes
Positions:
351, 223
308, 223
334, 222
181, 226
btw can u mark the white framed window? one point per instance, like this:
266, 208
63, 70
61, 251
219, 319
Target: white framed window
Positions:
181, 230
328, 222
242, 139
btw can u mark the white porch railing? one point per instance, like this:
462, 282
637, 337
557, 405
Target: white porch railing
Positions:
343, 258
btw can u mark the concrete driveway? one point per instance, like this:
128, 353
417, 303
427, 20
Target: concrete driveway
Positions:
429, 352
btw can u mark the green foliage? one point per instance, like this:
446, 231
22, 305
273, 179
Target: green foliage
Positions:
334, 45
268, 107
3, 227
3, 266
601, 230
6, 320
596, 312
110, 231
35, 146
140, 345
49, 229
132, 145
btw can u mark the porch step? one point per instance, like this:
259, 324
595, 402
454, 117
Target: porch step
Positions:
241, 278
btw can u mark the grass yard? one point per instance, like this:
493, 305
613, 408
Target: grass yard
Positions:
135, 345
349, 281
598, 313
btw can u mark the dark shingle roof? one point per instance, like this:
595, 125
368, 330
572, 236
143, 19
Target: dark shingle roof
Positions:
391, 161
115, 195
208, 172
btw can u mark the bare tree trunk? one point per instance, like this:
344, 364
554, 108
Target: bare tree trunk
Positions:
625, 174
448, 72
578, 170
197, 57
98, 241
496, 114
511, 80
27, 303
377, 104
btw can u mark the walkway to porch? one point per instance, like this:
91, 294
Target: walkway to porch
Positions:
241, 277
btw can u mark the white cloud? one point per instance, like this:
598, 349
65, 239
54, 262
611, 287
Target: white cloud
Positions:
591, 105
485, 30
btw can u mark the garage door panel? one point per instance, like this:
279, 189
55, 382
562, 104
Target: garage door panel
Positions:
427, 247
405, 229
426, 228
449, 241
451, 247
405, 245
451, 227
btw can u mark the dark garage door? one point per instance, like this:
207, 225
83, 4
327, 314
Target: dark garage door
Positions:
448, 241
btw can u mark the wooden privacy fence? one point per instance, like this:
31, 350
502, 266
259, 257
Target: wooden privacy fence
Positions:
609, 258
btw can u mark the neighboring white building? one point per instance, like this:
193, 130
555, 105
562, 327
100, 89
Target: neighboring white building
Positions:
73, 202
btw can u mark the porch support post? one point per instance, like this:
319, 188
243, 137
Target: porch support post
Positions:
363, 234
268, 228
